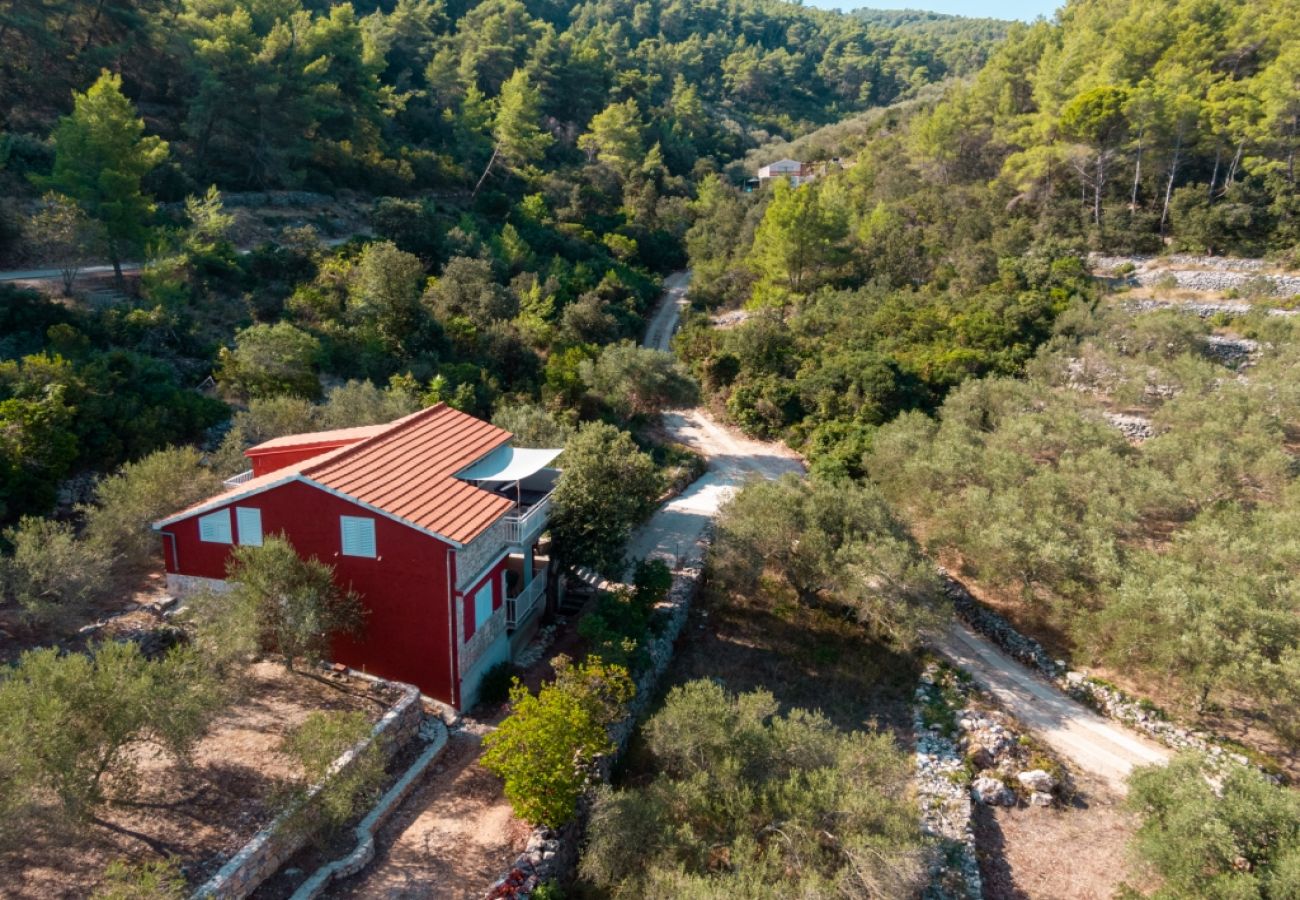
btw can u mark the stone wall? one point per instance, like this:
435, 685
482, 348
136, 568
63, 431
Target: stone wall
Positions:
943, 794
473, 558
1200, 273
182, 586
273, 845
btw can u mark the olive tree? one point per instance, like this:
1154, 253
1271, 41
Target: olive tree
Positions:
73, 724
297, 604
606, 487
830, 542
747, 802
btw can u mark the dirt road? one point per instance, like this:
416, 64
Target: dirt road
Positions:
1094, 744
672, 533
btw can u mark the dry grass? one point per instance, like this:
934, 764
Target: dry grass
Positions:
1079, 853
807, 658
201, 814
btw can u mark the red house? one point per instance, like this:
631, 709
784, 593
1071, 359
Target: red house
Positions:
433, 519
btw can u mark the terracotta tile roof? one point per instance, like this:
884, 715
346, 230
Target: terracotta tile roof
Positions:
406, 469
409, 471
333, 436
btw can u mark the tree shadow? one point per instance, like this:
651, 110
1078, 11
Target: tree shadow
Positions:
990, 844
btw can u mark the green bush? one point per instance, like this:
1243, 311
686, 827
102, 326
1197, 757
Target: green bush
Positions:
157, 880
747, 802
544, 750
1208, 834
315, 745
72, 725
497, 681
296, 603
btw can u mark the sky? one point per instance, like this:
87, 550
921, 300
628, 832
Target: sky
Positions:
997, 9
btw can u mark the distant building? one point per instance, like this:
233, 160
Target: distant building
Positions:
434, 519
791, 170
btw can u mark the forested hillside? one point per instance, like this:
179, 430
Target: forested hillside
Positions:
400, 96
955, 233
535, 159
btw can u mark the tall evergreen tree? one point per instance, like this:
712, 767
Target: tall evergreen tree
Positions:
101, 155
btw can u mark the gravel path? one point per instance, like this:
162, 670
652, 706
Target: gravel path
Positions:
732, 458
1095, 745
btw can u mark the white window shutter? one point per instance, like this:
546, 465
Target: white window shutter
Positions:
249, 519
214, 528
358, 533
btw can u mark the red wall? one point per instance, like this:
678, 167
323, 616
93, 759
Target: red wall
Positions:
408, 633
265, 461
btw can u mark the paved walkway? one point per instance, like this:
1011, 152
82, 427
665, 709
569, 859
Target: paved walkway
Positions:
1092, 743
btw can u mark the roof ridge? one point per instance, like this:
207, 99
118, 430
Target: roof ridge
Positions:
396, 427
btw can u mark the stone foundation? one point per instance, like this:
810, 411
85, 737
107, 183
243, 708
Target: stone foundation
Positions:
182, 586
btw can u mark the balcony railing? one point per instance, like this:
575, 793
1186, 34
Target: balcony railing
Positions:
519, 608
239, 479
522, 527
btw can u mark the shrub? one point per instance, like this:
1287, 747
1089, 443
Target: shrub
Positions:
617, 628
496, 684
297, 604
117, 524
1239, 839
51, 574
315, 745
268, 360
70, 725
158, 880
749, 803
545, 748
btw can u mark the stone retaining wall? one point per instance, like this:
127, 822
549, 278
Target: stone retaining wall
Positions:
1201, 273
434, 732
274, 844
943, 794
551, 855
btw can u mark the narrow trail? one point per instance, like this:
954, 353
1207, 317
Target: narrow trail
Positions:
672, 533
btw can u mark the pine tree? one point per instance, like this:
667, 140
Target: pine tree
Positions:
101, 153
519, 139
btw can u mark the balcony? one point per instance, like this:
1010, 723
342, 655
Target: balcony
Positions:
528, 520
521, 606
236, 480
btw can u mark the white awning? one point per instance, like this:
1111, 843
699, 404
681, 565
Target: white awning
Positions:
509, 464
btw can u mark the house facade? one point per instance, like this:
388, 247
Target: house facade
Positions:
792, 170
433, 519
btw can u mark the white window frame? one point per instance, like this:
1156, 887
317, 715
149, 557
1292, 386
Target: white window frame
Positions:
361, 528
249, 520
214, 528
483, 604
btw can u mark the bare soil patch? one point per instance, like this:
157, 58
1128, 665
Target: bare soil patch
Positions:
455, 834
202, 813
451, 839
1045, 853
